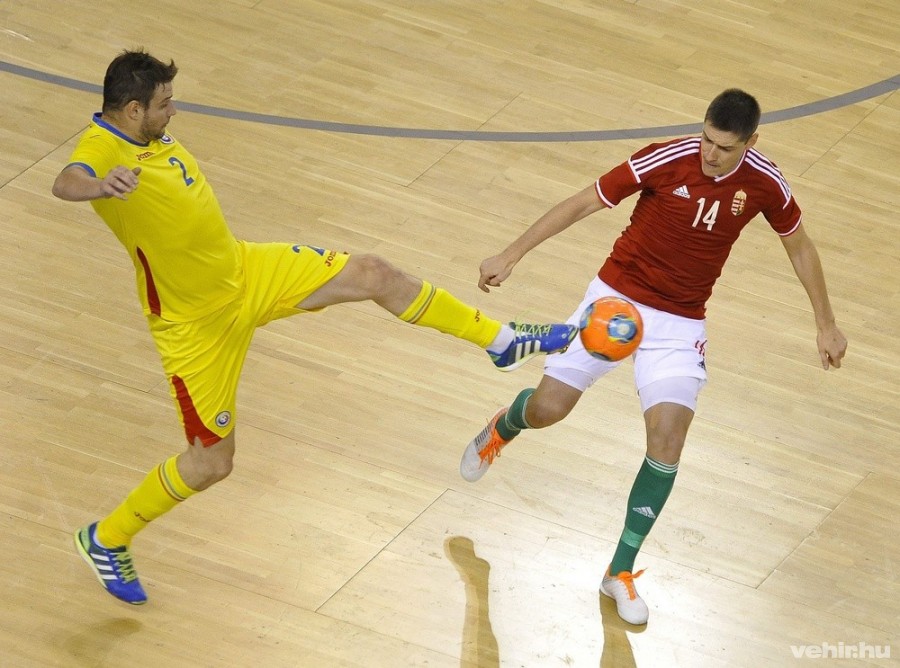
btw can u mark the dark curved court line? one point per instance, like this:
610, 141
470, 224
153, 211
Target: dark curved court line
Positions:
809, 109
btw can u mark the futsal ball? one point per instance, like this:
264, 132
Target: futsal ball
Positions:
611, 328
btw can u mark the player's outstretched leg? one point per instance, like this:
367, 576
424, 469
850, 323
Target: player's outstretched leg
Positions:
113, 567
509, 346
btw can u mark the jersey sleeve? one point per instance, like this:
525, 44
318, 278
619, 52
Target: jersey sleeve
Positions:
781, 209
94, 153
637, 173
617, 184
784, 219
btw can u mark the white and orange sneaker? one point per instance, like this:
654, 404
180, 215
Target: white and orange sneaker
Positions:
482, 450
629, 604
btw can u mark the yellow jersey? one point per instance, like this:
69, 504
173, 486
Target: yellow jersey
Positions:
185, 257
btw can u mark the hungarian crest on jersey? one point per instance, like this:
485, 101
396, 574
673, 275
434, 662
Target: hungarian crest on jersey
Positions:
738, 202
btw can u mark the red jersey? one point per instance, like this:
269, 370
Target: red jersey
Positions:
685, 223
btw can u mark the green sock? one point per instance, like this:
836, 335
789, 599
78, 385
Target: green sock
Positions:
648, 496
514, 421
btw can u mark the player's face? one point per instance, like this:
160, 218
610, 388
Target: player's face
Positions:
157, 113
720, 151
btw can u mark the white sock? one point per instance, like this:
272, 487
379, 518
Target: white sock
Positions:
505, 337
97, 540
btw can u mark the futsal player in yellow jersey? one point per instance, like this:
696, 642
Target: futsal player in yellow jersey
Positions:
204, 293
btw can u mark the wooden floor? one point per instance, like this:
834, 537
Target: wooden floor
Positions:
345, 536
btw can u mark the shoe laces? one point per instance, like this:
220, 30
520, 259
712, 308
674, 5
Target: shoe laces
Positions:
492, 448
125, 565
531, 329
627, 579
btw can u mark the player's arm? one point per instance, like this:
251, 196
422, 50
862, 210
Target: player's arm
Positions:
497, 269
75, 184
831, 342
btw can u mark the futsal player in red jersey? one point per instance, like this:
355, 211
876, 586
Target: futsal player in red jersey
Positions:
696, 195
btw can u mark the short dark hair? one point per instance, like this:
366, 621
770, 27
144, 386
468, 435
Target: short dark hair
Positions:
134, 75
735, 111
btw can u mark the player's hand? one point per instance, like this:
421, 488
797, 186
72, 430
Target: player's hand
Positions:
494, 271
119, 182
832, 346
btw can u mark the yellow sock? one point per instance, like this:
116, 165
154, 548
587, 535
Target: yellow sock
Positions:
160, 491
438, 309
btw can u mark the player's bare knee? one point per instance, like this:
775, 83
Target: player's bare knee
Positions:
221, 468
213, 471
665, 445
379, 269
209, 464
379, 275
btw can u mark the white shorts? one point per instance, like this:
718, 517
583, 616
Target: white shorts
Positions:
673, 347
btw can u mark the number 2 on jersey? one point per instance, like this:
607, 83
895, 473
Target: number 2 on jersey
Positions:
709, 219
189, 180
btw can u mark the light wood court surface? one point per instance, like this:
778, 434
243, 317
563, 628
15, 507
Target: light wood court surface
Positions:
345, 536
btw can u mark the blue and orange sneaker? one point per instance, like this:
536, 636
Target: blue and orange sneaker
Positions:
532, 340
112, 566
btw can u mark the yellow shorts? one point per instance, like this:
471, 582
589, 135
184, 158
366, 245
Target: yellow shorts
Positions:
203, 358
